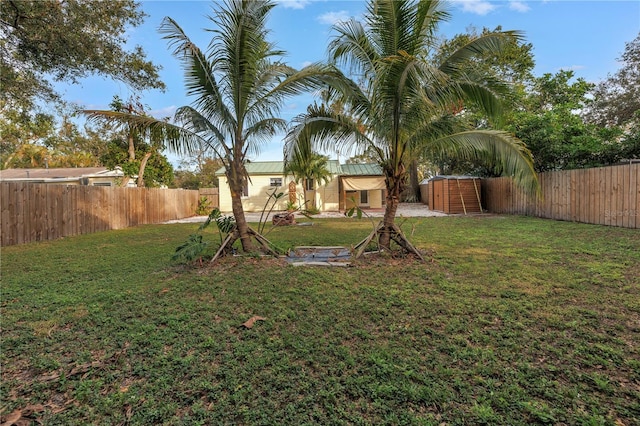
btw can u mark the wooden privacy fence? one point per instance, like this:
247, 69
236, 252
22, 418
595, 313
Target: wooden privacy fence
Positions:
603, 195
212, 194
38, 212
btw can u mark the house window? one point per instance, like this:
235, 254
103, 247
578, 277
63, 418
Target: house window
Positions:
245, 188
277, 182
102, 184
308, 184
364, 197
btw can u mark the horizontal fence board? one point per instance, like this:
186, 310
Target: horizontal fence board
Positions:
32, 212
604, 195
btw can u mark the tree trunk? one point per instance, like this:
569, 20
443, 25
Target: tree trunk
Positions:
241, 223
392, 199
413, 192
236, 184
143, 164
132, 148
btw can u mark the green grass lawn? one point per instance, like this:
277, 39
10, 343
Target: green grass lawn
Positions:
511, 321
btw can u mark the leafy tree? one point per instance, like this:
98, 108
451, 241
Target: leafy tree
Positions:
66, 41
513, 63
555, 132
158, 171
34, 139
204, 176
186, 179
238, 87
406, 103
18, 129
617, 98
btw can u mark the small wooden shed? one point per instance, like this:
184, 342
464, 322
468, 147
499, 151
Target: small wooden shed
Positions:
455, 194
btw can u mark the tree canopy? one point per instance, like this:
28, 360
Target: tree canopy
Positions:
617, 98
67, 40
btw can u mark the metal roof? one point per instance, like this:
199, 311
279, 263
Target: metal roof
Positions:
361, 170
277, 167
265, 167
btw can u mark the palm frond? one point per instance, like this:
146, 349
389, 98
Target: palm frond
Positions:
324, 130
499, 150
490, 43
353, 48
193, 121
200, 80
176, 138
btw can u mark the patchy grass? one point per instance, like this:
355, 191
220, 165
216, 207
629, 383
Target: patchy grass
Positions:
512, 321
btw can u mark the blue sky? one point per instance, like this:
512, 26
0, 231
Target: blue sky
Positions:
585, 36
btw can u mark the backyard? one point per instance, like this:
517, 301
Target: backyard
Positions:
510, 321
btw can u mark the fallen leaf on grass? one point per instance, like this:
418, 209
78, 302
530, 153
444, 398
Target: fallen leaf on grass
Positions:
12, 418
163, 291
249, 323
16, 417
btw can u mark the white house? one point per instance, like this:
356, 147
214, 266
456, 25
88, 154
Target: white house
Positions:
362, 183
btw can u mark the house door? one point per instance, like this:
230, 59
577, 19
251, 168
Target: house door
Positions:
351, 199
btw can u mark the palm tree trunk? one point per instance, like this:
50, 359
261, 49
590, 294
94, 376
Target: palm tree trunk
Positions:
413, 193
235, 186
132, 148
388, 222
241, 222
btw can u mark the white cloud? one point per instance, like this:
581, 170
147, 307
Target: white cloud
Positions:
573, 68
480, 7
331, 18
519, 6
306, 63
294, 4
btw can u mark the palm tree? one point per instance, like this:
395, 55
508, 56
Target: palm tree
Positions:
407, 106
308, 166
238, 87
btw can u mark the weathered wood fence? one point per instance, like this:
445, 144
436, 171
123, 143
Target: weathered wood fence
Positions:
212, 194
603, 195
38, 212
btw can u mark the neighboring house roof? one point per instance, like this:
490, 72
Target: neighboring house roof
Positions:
58, 174
277, 167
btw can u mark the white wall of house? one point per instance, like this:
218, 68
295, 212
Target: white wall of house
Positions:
327, 196
259, 189
375, 198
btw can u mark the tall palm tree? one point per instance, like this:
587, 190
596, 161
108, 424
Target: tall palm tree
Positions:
405, 105
238, 87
